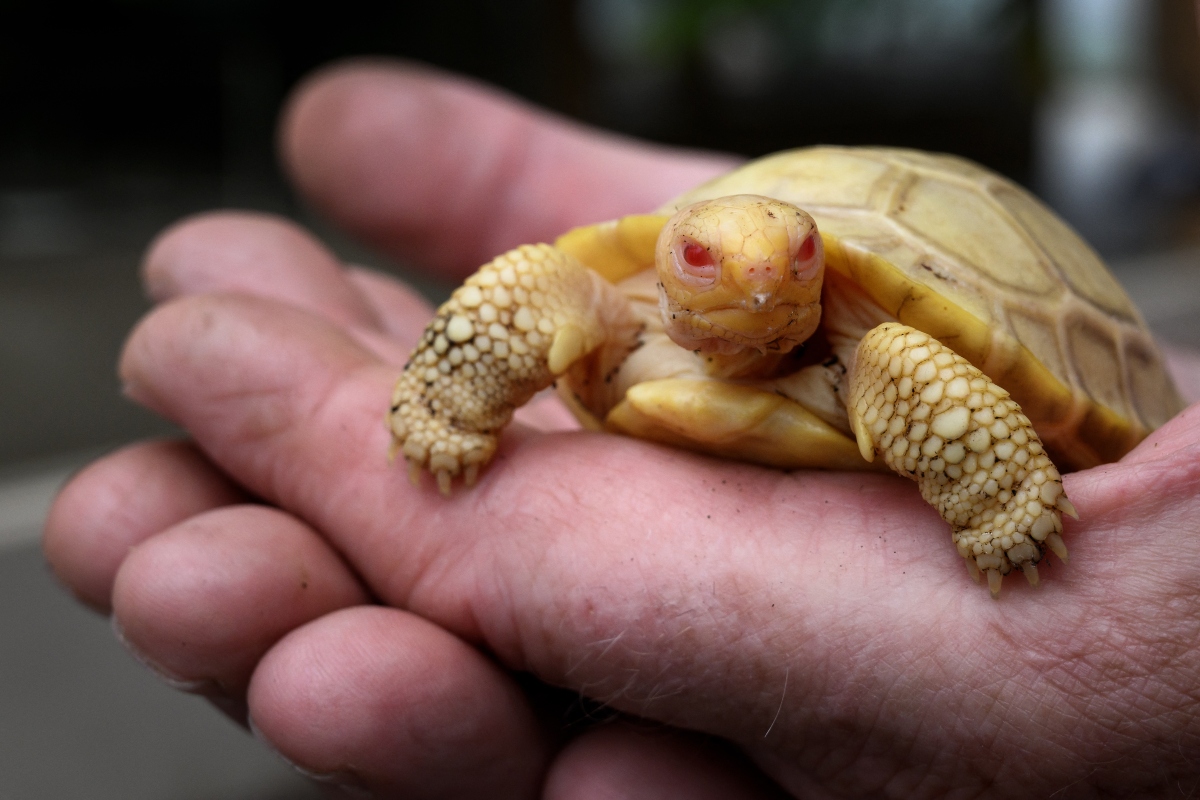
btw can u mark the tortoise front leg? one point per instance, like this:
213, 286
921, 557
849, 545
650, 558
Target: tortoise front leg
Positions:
937, 419
515, 325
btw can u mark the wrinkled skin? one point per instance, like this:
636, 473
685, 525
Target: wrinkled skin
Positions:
817, 621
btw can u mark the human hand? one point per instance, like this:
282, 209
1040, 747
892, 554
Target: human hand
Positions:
218, 590
819, 621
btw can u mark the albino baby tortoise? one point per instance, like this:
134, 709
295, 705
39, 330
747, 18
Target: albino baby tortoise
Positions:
816, 308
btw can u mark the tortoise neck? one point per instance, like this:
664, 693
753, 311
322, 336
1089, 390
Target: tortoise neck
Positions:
748, 364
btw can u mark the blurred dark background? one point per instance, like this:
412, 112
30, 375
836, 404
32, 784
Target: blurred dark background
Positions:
119, 116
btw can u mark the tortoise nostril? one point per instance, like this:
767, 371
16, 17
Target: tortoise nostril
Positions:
760, 273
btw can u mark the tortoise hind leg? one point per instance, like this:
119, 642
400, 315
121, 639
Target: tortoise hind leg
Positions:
937, 419
521, 320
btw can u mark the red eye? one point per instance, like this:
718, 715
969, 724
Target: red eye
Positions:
807, 249
694, 265
696, 255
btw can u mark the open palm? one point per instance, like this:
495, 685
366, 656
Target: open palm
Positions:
821, 622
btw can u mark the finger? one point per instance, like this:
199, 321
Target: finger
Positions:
402, 312
121, 500
201, 602
380, 700
257, 254
634, 763
266, 256
444, 172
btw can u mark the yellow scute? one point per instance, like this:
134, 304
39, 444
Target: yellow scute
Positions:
966, 223
1078, 263
615, 249
819, 177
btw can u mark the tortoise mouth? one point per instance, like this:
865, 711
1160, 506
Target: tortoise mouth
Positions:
734, 329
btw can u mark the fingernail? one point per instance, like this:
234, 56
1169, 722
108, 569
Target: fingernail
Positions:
132, 390
129, 372
345, 781
175, 681
157, 283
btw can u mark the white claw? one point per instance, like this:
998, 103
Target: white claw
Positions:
994, 579
866, 446
1031, 573
1055, 543
443, 482
471, 474
414, 473
1065, 506
973, 569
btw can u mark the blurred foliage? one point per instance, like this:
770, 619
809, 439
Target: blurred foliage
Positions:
672, 30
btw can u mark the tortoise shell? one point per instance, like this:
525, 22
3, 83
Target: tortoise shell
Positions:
974, 260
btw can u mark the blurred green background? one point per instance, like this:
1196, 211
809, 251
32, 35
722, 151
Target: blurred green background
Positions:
120, 116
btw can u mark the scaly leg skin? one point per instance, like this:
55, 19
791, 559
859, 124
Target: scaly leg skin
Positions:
937, 419
503, 336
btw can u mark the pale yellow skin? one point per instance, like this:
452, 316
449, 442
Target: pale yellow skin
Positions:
704, 356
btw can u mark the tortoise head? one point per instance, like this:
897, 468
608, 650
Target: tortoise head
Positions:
740, 272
